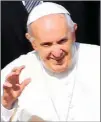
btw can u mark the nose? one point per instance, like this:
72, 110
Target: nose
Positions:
57, 52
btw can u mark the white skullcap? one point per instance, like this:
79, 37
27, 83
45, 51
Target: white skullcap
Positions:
45, 8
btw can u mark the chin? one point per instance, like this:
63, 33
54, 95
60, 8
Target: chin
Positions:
59, 69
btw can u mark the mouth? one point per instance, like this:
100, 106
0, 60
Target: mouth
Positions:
59, 61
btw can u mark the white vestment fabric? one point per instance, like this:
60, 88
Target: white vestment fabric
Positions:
73, 95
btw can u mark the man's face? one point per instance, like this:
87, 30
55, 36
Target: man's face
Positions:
53, 42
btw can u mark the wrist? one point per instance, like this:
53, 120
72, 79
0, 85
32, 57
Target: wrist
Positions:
6, 104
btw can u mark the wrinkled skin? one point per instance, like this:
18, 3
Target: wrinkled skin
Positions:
53, 41
12, 88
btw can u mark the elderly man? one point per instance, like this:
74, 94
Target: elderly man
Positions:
60, 80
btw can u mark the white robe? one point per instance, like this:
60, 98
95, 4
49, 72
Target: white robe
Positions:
70, 96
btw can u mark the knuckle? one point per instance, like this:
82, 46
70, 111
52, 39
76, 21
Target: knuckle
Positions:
14, 69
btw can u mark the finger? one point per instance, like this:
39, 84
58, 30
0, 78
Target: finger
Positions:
25, 83
13, 77
7, 85
14, 69
18, 69
10, 76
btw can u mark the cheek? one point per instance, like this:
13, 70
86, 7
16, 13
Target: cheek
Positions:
68, 50
67, 47
44, 54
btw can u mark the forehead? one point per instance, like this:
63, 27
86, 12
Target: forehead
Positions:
50, 27
52, 19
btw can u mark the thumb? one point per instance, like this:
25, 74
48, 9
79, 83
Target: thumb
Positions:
25, 83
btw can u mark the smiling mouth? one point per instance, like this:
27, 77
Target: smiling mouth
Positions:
59, 61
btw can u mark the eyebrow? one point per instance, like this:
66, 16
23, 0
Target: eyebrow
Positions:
45, 43
64, 38
50, 43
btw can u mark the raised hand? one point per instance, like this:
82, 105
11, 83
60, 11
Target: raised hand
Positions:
12, 88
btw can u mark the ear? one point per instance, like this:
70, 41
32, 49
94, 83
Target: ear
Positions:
34, 45
75, 26
28, 36
74, 33
31, 40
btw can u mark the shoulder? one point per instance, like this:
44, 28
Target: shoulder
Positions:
89, 52
88, 47
27, 59
89, 63
88, 67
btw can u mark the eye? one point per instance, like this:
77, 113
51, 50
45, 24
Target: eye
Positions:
62, 41
46, 44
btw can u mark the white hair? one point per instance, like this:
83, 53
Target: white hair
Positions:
70, 22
